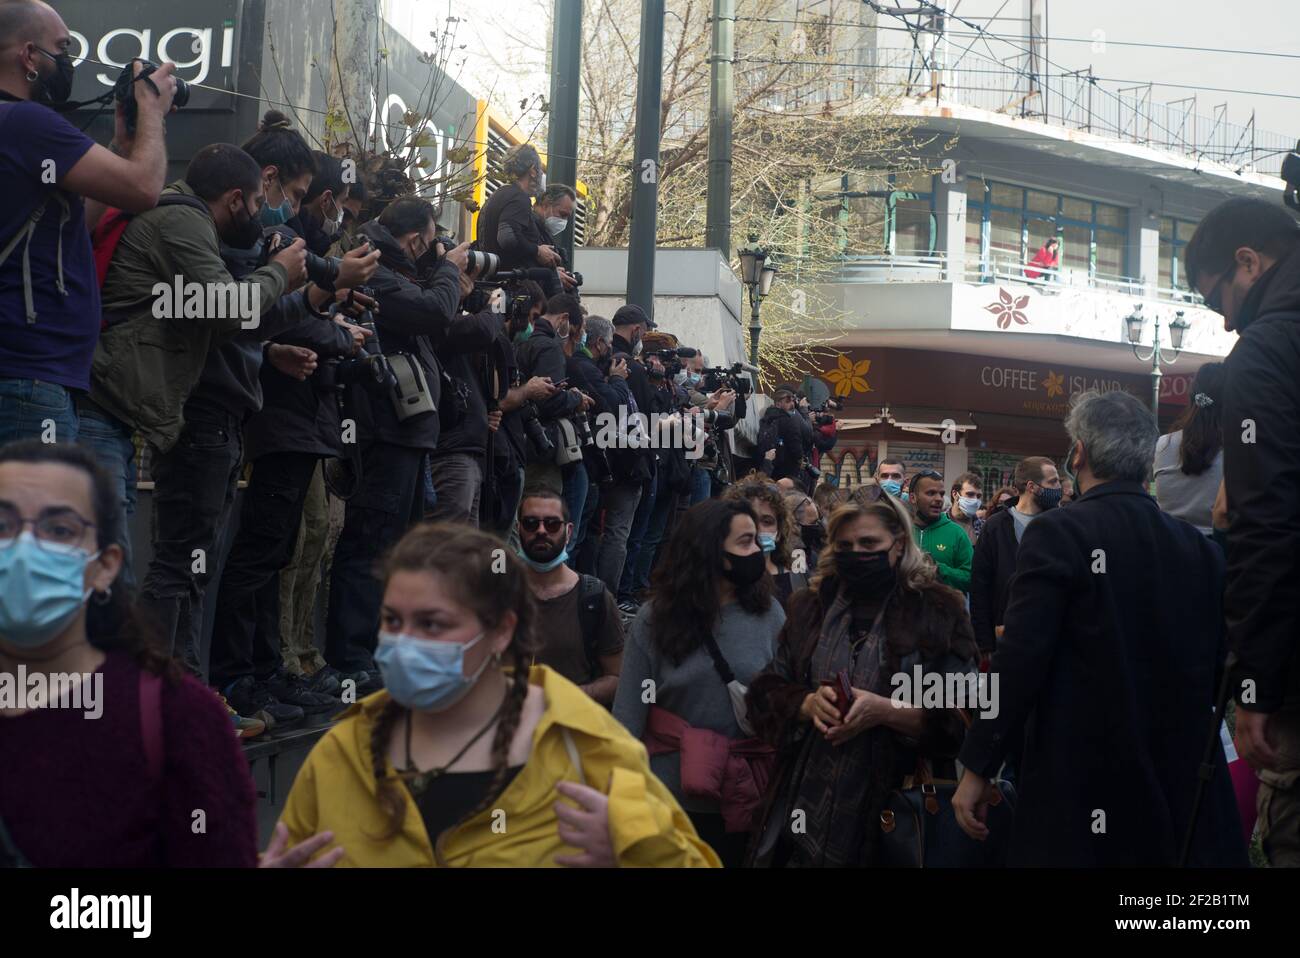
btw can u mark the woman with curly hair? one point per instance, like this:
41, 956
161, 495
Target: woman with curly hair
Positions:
464, 756
874, 610
1004, 498
708, 628
777, 535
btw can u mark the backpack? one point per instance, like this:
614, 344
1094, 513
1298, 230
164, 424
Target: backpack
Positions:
108, 232
591, 619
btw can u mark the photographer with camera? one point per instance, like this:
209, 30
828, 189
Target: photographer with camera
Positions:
508, 226
782, 431
592, 368
49, 293
159, 343
395, 431
553, 210
323, 208
723, 405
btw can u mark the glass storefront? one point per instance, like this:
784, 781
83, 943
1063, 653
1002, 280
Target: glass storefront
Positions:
1174, 235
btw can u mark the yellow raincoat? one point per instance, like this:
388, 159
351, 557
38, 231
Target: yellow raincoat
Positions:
335, 791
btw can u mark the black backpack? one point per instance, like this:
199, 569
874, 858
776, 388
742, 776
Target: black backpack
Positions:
591, 620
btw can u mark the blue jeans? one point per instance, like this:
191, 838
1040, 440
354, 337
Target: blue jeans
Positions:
576, 485
664, 501
701, 485
640, 525
31, 409
110, 440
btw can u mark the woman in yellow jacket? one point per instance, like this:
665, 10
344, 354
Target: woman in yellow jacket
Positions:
469, 758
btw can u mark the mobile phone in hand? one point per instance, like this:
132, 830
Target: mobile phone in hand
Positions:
843, 691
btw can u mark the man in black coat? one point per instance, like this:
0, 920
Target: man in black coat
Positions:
1245, 260
1109, 666
508, 225
781, 422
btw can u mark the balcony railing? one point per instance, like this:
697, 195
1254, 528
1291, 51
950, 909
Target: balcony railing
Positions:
934, 268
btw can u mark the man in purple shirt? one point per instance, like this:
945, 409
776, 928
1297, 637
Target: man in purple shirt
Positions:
49, 294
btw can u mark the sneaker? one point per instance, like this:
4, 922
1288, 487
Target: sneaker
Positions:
244, 727
365, 681
251, 699
294, 690
326, 680
628, 606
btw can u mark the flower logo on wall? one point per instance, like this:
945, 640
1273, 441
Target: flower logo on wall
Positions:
849, 377
1054, 383
1008, 308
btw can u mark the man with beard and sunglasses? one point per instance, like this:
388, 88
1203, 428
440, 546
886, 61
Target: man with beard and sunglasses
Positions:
49, 293
579, 628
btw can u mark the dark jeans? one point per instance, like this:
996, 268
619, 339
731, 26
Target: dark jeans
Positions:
576, 486
619, 501
194, 491
655, 532
31, 409
388, 501
457, 483
110, 440
586, 543
701, 484
246, 630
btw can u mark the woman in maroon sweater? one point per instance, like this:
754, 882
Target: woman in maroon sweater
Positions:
140, 765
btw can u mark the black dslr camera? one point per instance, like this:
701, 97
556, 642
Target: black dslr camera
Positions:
371, 369
321, 270
730, 377
124, 91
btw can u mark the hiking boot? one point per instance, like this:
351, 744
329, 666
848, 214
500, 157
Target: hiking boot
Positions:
244, 727
251, 699
293, 690
326, 680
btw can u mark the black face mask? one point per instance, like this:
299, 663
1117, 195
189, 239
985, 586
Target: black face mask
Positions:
813, 536
745, 570
245, 234
54, 90
866, 575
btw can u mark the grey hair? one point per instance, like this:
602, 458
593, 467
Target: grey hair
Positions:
599, 328
519, 160
1118, 432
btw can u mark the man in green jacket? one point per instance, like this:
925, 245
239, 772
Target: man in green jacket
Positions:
945, 541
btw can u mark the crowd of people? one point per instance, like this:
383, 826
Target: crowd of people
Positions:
543, 647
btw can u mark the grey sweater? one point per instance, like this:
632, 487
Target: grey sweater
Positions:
693, 689
1190, 498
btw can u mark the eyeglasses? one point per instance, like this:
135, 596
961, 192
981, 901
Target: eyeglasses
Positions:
531, 523
55, 531
1214, 301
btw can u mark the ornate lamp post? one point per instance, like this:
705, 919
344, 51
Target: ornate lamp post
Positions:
1135, 322
757, 274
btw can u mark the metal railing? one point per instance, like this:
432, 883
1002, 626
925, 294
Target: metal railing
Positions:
934, 267
1073, 100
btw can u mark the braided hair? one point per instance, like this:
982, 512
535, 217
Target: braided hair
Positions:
468, 561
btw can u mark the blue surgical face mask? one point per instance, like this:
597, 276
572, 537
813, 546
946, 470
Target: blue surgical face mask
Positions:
767, 541
545, 566
427, 675
891, 486
582, 342
43, 590
276, 215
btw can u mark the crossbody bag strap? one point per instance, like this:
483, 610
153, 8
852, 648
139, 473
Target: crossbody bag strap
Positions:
719, 663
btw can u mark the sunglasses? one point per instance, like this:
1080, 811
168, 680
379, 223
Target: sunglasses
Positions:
531, 523
1215, 300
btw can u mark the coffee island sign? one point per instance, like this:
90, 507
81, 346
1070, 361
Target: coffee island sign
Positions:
905, 377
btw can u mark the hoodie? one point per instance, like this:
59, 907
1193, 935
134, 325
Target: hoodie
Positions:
949, 546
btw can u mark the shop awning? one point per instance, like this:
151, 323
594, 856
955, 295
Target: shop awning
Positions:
932, 422
862, 417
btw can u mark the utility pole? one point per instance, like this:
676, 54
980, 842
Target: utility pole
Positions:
645, 171
562, 134
351, 72
722, 97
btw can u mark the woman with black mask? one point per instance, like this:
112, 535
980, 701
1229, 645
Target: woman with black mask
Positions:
709, 626
873, 612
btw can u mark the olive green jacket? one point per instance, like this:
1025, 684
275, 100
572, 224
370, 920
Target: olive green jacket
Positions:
151, 356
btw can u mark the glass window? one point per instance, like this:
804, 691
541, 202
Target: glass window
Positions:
1110, 254
1004, 238
1076, 253
972, 237
974, 193
1166, 229
1116, 216
1042, 202
1003, 195
1166, 279
912, 228
1076, 209
916, 182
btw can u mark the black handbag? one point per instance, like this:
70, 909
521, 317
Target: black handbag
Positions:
918, 828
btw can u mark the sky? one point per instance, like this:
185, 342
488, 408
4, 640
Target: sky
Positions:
1266, 26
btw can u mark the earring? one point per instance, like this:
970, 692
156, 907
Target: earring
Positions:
102, 598
32, 76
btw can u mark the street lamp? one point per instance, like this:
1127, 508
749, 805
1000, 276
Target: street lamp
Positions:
757, 274
1135, 322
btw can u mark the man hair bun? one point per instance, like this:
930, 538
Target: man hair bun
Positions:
274, 120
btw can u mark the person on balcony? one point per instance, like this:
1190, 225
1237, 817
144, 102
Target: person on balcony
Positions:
1048, 258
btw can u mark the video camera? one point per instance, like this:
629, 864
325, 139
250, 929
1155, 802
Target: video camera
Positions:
672, 360
728, 377
822, 414
321, 270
